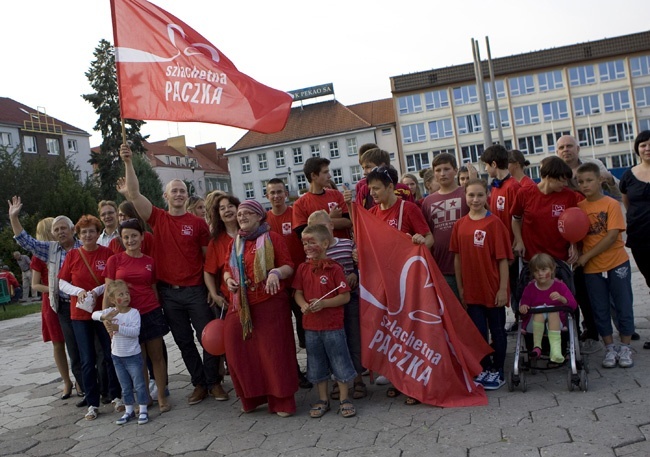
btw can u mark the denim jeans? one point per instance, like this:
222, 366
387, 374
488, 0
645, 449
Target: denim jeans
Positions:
616, 283
129, 372
493, 319
84, 332
327, 353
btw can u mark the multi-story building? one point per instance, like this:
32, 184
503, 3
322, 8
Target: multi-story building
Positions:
36, 134
326, 129
597, 91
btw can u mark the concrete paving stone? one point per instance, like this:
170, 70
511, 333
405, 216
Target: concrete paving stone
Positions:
337, 441
438, 450
101, 445
27, 421
55, 433
289, 441
376, 423
186, 442
225, 425
152, 454
236, 442
330, 421
638, 395
502, 449
625, 413
470, 436
310, 452
269, 424
564, 417
611, 433
529, 435
645, 429
640, 449
190, 427
52, 447
576, 450
420, 439
372, 451
390, 438
17, 446
138, 445
497, 418
257, 453
194, 454
39, 401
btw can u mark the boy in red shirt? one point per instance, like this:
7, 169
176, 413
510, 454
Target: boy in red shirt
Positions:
321, 292
370, 159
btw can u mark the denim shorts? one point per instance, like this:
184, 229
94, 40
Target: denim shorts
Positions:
328, 354
153, 325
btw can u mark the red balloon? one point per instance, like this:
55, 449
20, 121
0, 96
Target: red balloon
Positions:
573, 224
212, 337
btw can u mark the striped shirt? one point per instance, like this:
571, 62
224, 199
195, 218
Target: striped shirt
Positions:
125, 341
341, 252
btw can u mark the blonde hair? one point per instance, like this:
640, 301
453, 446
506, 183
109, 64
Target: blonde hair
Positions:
44, 229
320, 217
112, 288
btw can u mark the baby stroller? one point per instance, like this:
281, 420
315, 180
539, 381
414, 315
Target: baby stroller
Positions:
577, 366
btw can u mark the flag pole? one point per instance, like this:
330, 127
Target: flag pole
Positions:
117, 74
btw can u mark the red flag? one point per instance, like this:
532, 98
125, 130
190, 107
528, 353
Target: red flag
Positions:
168, 71
413, 330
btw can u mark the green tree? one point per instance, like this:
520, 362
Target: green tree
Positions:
105, 100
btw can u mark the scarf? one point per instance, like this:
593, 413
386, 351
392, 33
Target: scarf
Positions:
263, 262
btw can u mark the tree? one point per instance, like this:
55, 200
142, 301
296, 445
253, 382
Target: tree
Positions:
150, 184
105, 100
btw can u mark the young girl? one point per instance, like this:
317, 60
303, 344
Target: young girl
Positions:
463, 175
482, 249
196, 206
123, 324
545, 291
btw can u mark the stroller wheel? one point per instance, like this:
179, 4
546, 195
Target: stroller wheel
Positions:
569, 381
584, 382
511, 382
524, 386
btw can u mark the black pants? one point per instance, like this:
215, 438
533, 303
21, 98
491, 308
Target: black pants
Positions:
642, 259
63, 313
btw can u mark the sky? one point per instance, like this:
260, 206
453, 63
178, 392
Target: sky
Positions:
47, 46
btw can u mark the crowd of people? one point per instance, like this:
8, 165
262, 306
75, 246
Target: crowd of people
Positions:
114, 286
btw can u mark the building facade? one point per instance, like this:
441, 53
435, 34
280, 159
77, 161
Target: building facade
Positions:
597, 91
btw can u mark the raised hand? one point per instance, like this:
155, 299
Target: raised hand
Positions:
15, 205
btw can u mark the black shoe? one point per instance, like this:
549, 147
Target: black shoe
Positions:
81, 403
106, 400
513, 327
636, 336
303, 382
646, 345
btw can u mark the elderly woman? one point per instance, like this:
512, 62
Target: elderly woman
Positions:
80, 278
258, 331
53, 253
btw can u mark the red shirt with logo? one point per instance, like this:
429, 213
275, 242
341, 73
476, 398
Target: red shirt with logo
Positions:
309, 202
140, 275
501, 200
527, 181
412, 219
362, 194
75, 271
178, 247
282, 225
147, 245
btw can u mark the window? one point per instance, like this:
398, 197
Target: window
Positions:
249, 191
178, 161
640, 65
413, 133
72, 146
451, 151
387, 131
279, 159
533, 172
465, 95
355, 172
531, 145
609, 71
245, 164
525, 115
315, 150
469, 124
410, 104
500, 86
644, 124
334, 150
52, 146
29, 144
301, 179
337, 176
505, 119
262, 162
264, 183
441, 129
551, 139
642, 95
297, 156
417, 162
579, 76
351, 144
554, 111
436, 99
620, 132
471, 153
591, 136
168, 160
550, 80
5, 139
616, 101
522, 85
584, 106
622, 161
507, 144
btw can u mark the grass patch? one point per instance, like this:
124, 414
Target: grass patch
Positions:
17, 310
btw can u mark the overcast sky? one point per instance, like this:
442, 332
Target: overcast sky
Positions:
47, 46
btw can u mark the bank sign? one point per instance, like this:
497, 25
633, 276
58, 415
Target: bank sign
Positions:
312, 92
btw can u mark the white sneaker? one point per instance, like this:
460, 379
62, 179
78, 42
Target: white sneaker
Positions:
382, 380
625, 357
153, 390
118, 404
611, 357
92, 413
481, 376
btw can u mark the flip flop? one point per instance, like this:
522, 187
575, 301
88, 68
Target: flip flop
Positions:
319, 409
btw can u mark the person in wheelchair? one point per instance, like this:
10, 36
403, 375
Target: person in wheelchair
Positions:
545, 291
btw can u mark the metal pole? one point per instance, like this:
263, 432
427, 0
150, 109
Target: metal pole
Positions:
478, 74
495, 98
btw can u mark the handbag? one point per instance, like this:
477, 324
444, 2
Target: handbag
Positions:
87, 305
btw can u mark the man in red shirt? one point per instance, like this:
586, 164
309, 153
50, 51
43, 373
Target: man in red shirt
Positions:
12, 282
180, 242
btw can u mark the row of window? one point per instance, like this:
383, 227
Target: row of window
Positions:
30, 145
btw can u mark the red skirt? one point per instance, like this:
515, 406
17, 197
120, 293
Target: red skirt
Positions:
51, 327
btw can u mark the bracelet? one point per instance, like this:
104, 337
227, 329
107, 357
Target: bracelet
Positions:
277, 273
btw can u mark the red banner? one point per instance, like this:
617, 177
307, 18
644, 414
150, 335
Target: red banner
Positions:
168, 71
413, 329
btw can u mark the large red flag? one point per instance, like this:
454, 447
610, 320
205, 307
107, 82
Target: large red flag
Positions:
413, 329
168, 71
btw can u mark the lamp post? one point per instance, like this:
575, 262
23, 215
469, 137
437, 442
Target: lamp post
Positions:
289, 181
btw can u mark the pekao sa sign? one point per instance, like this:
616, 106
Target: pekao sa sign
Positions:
312, 92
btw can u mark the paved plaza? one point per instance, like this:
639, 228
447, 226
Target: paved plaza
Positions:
611, 419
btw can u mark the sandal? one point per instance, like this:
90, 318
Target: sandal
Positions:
536, 353
411, 401
392, 392
319, 409
346, 408
360, 390
335, 393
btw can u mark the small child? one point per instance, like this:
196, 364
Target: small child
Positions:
123, 324
321, 291
545, 291
482, 250
606, 266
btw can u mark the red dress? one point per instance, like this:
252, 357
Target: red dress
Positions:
50, 325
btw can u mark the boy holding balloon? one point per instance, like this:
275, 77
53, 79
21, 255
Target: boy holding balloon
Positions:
607, 267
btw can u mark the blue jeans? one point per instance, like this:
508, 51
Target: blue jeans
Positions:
327, 353
493, 319
352, 326
129, 372
616, 283
84, 332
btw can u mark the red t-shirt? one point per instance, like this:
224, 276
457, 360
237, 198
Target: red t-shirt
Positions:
11, 279
147, 245
216, 258
412, 219
481, 244
501, 200
441, 211
75, 271
362, 194
256, 292
178, 247
315, 284
527, 181
140, 275
282, 224
540, 213
308, 203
